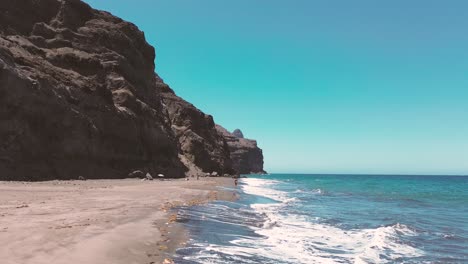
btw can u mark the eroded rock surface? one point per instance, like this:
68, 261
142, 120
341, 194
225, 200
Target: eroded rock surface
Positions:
79, 97
199, 140
246, 156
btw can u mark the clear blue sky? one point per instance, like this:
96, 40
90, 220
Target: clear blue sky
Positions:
325, 86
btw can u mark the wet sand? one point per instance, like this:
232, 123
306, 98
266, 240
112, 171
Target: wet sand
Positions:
98, 221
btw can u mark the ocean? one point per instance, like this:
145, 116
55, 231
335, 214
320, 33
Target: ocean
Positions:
291, 218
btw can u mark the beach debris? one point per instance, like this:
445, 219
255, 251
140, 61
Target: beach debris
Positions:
207, 174
214, 174
161, 175
149, 177
172, 218
163, 248
136, 174
187, 179
168, 261
81, 178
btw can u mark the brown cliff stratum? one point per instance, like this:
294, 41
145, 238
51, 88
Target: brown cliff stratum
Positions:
79, 97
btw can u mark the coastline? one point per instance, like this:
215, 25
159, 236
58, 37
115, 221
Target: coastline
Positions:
98, 221
176, 235
334, 219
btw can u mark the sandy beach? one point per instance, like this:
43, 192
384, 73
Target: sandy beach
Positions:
97, 221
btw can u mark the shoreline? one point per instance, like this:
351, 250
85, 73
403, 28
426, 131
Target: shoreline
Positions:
176, 235
98, 221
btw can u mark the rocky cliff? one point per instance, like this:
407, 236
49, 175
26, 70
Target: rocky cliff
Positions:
79, 97
246, 156
200, 143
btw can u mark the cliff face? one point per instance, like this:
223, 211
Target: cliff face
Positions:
246, 156
79, 97
200, 143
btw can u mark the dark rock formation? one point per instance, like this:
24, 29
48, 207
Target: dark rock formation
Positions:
136, 174
79, 97
246, 156
238, 133
200, 142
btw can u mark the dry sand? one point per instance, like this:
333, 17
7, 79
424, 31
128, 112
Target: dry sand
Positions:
97, 221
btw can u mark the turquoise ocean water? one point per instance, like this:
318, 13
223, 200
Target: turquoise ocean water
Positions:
290, 218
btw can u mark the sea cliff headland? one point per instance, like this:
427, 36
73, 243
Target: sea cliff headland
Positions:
79, 97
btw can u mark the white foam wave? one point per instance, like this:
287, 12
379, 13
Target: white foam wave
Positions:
289, 238
292, 237
317, 191
263, 188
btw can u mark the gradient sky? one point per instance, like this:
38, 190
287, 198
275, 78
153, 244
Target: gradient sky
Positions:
325, 86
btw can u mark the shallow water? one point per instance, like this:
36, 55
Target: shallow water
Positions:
287, 218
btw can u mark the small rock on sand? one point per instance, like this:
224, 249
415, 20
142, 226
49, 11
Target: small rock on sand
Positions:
168, 261
149, 177
136, 174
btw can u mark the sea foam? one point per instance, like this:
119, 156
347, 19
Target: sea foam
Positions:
294, 238
288, 218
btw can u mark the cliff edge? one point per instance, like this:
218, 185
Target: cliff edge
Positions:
79, 96
246, 156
